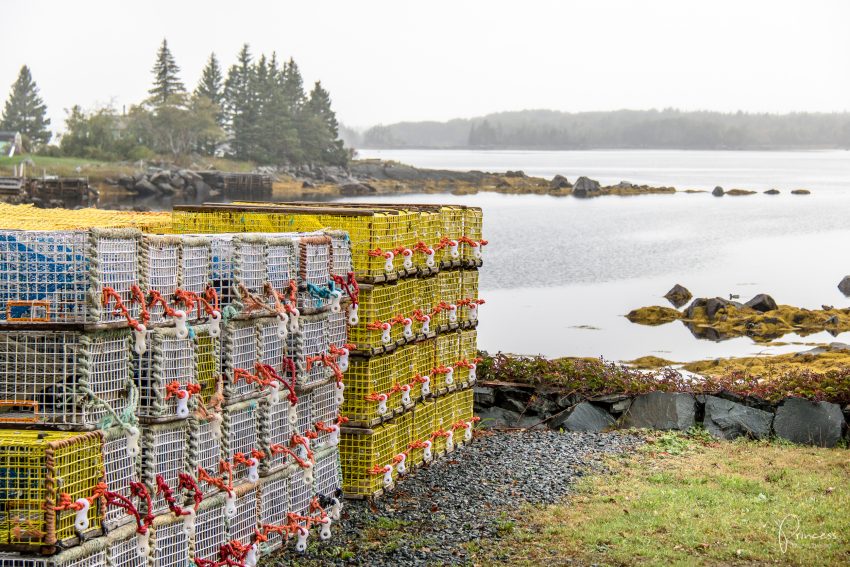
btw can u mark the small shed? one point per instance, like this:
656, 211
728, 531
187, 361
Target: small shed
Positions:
11, 143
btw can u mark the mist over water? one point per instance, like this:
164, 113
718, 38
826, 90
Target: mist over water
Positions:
560, 273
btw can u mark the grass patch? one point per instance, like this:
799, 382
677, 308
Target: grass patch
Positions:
683, 500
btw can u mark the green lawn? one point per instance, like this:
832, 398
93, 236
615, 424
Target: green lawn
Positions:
686, 501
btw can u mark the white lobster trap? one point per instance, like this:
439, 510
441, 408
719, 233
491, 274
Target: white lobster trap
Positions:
206, 446
240, 349
59, 276
165, 452
240, 436
337, 328
304, 345
341, 264
244, 523
174, 262
168, 359
120, 453
210, 528
300, 491
169, 542
315, 258
122, 548
242, 264
324, 409
327, 478
64, 378
275, 428
91, 553
274, 504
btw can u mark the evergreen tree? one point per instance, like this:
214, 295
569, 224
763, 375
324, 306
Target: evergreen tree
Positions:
293, 87
25, 111
166, 80
240, 105
320, 137
211, 84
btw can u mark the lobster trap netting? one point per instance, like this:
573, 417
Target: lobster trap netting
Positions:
122, 549
274, 504
161, 262
406, 371
324, 410
423, 426
464, 404
337, 329
88, 554
165, 453
240, 350
469, 293
466, 362
315, 258
444, 419
206, 445
169, 359
275, 430
304, 423
272, 345
59, 276
300, 492
424, 301
64, 377
30, 217
240, 437
169, 544
307, 347
341, 253
406, 299
451, 229
327, 476
448, 292
119, 471
368, 389
207, 364
446, 348
35, 468
362, 453
404, 433
378, 306
210, 529
245, 522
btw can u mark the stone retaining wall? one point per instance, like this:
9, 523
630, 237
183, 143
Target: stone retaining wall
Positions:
725, 415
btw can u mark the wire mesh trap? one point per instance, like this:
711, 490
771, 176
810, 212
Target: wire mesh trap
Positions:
210, 528
240, 440
363, 455
167, 375
274, 495
64, 378
119, 471
169, 263
59, 276
37, 467
368, 390
275, 429
165, 452
307, 347
169, 542
89, 554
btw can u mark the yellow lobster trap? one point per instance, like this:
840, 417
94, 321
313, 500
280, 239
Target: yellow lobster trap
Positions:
449, 291
37, 467
466, 362
444, 419
421, 443
376, 330
446, 349
369, 396
375, 235
366, 457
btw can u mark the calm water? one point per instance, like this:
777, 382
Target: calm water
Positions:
560, 273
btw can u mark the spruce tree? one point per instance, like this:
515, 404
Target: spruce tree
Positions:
166, 80
211, 84
293, 87
240, 105
25, 111
320, 139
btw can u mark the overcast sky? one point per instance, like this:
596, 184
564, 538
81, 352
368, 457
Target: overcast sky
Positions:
387, 61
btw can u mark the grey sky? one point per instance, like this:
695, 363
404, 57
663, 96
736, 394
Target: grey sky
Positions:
386, 61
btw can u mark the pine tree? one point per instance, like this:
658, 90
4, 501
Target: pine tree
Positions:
211, 84
25, 111
321, 130
319, 104
166, 80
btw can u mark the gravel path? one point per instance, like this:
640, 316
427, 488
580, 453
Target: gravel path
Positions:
436, 510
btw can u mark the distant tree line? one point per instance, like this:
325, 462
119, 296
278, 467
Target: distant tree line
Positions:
624, 129
258, 111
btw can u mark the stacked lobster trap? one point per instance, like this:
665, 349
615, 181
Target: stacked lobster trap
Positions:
154, 388
413, 316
